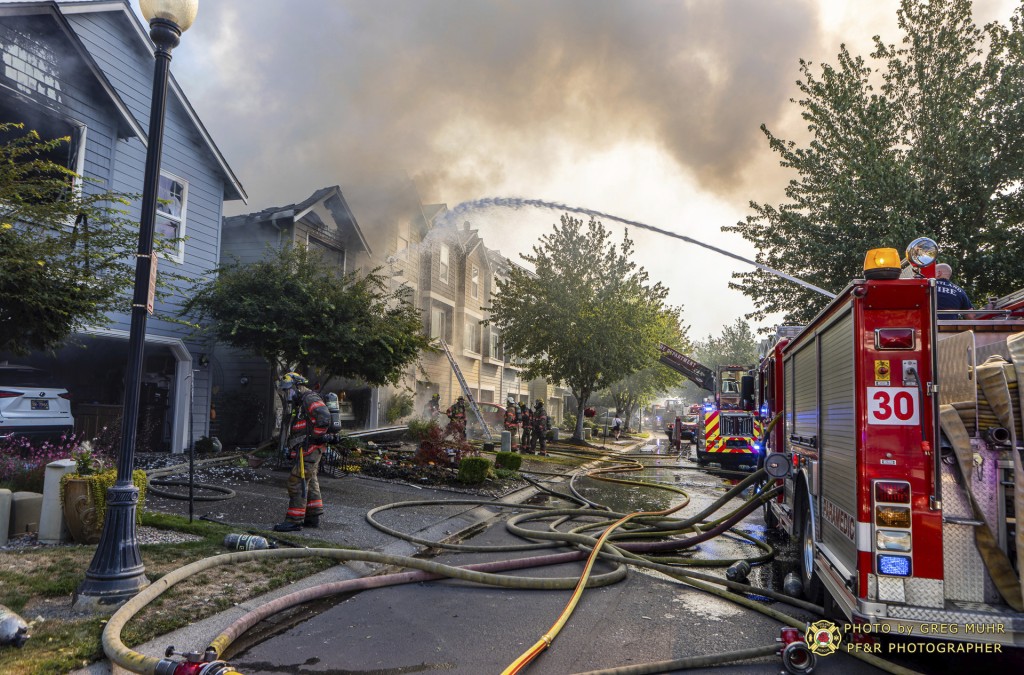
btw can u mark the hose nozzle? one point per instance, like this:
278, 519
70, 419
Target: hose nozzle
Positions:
997, 436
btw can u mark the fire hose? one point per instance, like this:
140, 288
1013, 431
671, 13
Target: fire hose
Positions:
624, 553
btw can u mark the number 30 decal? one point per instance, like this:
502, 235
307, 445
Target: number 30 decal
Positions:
892, 405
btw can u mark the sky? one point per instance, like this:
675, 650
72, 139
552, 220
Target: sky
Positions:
647, 110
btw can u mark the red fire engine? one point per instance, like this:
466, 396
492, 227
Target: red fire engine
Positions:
904, 520
727, 430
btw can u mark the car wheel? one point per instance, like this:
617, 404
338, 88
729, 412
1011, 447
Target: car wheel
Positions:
813, 590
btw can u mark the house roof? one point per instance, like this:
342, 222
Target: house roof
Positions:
233, 187
299, 210
128, 126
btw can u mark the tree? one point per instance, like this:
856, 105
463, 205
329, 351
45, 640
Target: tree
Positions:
936, 150
587, 316
62, 247
286, 309
638, 389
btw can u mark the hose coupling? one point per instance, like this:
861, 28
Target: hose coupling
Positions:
194, 664
997, 436
797, 658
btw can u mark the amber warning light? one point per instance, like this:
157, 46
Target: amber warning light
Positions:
882, 263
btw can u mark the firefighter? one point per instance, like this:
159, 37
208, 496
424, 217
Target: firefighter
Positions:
457, 418
310, 423
433, 408
524, 419
512, 420
541, 424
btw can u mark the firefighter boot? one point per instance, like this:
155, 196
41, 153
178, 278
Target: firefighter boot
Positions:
287, 526
312, 521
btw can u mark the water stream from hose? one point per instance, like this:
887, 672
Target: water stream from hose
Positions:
453, 215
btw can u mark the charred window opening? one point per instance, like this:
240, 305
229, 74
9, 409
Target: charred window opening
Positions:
65, 153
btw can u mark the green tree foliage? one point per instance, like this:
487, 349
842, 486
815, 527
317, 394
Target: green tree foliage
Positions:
289, 310
926, 139
587, 316
62, 261
639, 389
736, 346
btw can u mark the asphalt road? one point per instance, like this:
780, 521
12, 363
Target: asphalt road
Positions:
461, 628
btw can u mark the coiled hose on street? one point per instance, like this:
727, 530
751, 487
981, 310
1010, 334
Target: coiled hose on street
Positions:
616, 543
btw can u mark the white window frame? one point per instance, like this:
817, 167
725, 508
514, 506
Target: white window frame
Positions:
474, 281
495, 341
179, 255
471, 336
444, 263
438, 323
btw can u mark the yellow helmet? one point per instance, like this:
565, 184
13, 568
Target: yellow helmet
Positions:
291, 379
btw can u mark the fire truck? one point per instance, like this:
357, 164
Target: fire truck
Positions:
896, 436
727, 430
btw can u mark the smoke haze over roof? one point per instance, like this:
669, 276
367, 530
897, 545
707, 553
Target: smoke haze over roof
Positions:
646, 109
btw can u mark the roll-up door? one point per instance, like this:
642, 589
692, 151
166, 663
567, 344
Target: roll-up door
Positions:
805, 395
838, 443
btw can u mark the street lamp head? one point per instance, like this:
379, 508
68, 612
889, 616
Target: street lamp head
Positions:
179, 12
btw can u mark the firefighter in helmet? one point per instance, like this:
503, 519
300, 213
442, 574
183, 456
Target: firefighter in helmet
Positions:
524, 419
310, 421
541, 426
457, 418
433, 408
512, 419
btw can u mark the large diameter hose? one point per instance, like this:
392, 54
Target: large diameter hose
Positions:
131, 660
244, 623
688, 662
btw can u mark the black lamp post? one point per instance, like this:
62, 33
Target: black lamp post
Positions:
116, 573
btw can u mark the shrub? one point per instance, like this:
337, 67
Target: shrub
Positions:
99, 483
421, 429
400, 406
508, 460
506, 474
207, 445
23, 462
435, 443
473, 470
569, 422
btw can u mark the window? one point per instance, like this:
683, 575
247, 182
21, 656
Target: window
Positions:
172, 198
442, 270
486, 396
70, 154
471, 342
474, 281
495, 345
438, 323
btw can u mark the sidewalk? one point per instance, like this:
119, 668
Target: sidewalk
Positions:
259, 504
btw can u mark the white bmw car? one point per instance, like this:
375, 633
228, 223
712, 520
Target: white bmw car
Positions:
31, 405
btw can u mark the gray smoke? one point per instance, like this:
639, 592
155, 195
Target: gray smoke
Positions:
458, 94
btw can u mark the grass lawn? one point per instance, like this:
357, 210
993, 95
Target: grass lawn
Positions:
40, 583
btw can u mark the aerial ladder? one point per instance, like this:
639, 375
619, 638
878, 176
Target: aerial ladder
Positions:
698, 373
465, 388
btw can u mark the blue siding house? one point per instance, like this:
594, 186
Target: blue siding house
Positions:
85, 70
